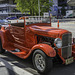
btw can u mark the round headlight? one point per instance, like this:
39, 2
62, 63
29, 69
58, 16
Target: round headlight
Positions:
58, 42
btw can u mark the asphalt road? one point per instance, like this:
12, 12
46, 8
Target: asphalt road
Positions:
58, 69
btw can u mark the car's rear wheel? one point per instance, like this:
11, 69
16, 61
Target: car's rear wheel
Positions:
1, 49
42, 62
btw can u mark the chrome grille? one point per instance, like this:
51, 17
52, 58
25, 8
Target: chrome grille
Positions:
66, 45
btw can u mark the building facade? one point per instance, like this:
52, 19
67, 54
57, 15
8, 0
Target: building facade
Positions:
71, 2
54, 9
63, 6
7, 8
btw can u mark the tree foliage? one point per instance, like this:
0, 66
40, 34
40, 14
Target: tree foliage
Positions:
32, 6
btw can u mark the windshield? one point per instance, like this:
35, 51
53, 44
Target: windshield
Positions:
37, 19
34, 19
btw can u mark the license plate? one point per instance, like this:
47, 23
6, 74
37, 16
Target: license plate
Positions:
69, 61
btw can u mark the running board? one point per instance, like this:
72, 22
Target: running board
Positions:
19, 54
16, 50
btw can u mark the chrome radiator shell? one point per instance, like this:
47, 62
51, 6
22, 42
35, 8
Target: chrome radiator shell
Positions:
66, 45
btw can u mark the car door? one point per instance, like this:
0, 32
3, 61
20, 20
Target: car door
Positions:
18, 33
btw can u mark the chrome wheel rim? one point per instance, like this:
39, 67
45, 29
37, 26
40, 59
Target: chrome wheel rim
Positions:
40, 62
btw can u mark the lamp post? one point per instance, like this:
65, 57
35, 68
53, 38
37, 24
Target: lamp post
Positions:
50, 15
39, 6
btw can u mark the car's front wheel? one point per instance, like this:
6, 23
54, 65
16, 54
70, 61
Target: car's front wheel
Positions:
42, 62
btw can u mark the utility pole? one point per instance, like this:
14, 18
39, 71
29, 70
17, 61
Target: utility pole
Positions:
39, 6
49, 10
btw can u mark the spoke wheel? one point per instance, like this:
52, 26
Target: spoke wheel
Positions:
42, 62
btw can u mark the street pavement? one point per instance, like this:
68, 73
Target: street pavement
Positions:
12, 65
70, 26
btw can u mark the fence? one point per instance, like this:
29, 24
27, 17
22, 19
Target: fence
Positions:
33, 19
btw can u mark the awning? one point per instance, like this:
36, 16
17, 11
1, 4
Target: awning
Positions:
71, 2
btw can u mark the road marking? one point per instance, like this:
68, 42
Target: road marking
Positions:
14, 68
1, 63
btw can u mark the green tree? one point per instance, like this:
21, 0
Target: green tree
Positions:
32, 6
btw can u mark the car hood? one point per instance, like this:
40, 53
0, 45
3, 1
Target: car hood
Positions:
48, 31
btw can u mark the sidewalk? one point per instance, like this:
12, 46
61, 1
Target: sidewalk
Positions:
6, 71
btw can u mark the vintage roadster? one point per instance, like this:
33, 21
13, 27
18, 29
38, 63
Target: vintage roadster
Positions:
41, 41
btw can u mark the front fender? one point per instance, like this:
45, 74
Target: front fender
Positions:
46, 49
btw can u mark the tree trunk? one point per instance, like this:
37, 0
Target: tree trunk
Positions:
31, 12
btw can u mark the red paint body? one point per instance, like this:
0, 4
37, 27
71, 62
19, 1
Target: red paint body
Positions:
25, 39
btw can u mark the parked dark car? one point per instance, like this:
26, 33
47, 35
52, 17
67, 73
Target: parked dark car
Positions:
11, 18
4, 22
59, 16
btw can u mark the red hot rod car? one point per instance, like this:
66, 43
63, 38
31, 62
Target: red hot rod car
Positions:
39, 40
